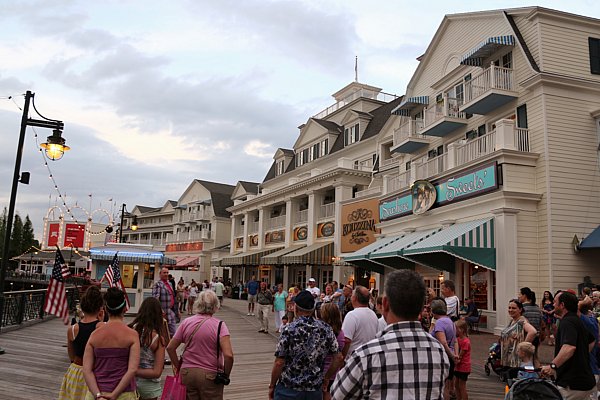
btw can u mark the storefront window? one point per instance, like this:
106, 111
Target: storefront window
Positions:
326, 277
479, 282
128, 275
301, 279
148, 276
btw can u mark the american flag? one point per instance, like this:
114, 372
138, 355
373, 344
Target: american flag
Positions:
113, 276
56, 295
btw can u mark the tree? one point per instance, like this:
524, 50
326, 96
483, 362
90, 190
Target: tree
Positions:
16, 238
28, 239
2, 230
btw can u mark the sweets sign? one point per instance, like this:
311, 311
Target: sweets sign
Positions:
359, 222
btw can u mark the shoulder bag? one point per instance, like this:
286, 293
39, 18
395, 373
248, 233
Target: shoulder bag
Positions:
221, 378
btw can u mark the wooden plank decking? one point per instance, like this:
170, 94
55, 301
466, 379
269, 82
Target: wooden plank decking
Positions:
36, 360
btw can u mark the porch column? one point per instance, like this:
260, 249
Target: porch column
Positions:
342, 192
289, 211
286, 277
505, 134
261, 228
313, 212
234, 219
505, 231
246, 224
451, 158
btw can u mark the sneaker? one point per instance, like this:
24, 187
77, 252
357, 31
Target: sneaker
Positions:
248, 314
261, 330
267, 332
253, 314
167, 362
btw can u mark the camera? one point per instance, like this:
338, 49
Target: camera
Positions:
222, 379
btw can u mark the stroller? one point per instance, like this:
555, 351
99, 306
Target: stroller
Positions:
530, 388
493, 360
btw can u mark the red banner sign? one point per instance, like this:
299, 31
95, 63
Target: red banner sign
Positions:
53, 231
195, 246
74, 235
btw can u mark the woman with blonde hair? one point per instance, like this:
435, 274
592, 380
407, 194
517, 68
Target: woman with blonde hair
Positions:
202, 333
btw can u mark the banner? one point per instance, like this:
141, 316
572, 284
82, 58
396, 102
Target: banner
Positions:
53, 232
358, 224
74, 235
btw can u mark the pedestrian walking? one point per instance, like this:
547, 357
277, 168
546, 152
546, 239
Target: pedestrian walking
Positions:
452, 301
264, 299
330, 314
445, 333
192, 297
279, 306
252, 287
462, 368
360, 324
517, 331
163, 291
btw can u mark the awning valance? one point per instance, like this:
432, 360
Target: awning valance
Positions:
408, 104
129, 256
396, 248
316, 254
187, 262
592, 241
248, 258
216, 263
275, 257
471, 241
485, 49
365, 252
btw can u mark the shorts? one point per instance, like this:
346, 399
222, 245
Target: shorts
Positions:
252, 298
463, 376
148, 388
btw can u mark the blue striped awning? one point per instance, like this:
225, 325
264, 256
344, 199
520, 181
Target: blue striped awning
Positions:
148, 257
408, 104
592, 241
479, 53
471, 241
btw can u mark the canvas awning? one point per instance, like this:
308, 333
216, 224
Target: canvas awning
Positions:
275, 257
485, 49
592, 241
247, 258
187, 262
316, 254
149, 257
408, 104
216, 263
471, 241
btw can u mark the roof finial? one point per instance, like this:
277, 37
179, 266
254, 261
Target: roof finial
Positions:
356, 69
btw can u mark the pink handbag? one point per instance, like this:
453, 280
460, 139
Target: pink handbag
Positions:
174, 389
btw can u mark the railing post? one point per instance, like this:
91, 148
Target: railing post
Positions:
446, 107
505, 134
452, 155
21, 311
492, 76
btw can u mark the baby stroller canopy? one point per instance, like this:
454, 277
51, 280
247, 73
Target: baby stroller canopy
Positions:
533, 389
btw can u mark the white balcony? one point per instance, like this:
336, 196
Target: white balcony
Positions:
443, 117
327, 211
476, 148
368, 192
182, 237
491, 89
301, 216
407, 138
432, 167
394, 183
253, 227
276, 222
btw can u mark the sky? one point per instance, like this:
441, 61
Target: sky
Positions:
155, 94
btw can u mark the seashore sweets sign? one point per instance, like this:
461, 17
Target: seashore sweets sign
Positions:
358, 224
462, 186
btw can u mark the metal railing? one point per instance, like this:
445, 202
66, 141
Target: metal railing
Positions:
41, 278
407, 130
432, 167
327, 211
522, 139
476, 148
27, 305
491, 78
364, 93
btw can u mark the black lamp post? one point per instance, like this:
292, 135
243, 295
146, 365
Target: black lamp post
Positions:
55, 148
133, 222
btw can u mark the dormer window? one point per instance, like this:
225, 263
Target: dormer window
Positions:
280, 167
351, 135
324, 147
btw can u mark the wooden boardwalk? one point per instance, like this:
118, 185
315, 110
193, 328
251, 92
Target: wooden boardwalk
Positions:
36, 360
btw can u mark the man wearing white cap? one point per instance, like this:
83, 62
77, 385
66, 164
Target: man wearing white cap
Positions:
312, 287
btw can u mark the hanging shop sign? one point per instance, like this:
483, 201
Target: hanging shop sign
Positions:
275, 237
193, 246
326, 229
462, 186
358, 224
74, 235
300, 233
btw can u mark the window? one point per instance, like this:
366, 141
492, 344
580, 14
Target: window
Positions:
324, 147
507, 60
280, 167
407, 166
594, 55
299, 158
315, 151
351, 135
459, 93
481, 130
522, 116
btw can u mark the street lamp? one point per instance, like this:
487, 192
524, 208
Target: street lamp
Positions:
54, 147
134, 223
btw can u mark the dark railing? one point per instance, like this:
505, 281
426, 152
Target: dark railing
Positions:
27, 305
41, 278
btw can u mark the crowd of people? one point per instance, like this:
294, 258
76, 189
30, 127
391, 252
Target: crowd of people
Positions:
114, 360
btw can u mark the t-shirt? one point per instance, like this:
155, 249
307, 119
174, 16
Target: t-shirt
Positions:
193, 291
202, 352
252, 288
447, 326
219, 289
279, 302
533, 314
341, 342
316, 292
452, 305
360, 326
381, 324
464, 365
575, 373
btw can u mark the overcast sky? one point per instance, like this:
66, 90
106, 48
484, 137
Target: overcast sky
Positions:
156, 94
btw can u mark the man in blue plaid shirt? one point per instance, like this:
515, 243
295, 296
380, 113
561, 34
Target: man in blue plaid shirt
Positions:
404, 361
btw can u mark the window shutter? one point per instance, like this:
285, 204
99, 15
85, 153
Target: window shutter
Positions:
594, 55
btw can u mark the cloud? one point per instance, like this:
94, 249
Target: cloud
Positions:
258, 149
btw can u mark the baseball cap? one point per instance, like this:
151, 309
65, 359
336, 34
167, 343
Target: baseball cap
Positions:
305, 300
312, 280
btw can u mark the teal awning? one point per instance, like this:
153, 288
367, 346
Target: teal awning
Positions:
395, 249
363, 253
485, 49
408, 104
592, 241
471, 241
148, 257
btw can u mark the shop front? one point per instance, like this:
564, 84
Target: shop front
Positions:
314, 261
246, 265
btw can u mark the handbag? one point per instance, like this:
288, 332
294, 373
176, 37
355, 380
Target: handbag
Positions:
222, 378
174, 389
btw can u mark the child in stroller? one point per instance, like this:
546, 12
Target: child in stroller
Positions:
530, 388
493, 360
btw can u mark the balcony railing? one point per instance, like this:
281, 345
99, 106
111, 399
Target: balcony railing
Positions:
448, 107
188, 236
276, 222
302, 216
407, 130
393, 183
364, 93
253, 227
432, 167
491, 78
476, 148
522, 139
327, 211
368, 192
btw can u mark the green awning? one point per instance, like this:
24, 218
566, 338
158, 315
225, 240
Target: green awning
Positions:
247, 258
471, 241
364, 252
275, 258
320, 253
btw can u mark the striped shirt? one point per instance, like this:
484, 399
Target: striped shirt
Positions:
403, 362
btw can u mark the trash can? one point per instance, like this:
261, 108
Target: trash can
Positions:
235, 294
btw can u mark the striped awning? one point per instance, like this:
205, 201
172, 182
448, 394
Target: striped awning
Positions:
471, 241
316, 254
248, 258
275, 257
187, 262
216, 263
408, 104
365, 252
591, 241
396, 248
150, 257
485, 49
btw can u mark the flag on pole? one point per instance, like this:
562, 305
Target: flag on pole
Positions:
113, 276
56, 295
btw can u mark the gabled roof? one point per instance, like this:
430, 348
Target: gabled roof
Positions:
220, 194
252, 187
146, 209
329, 125
283, 153
380, 117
